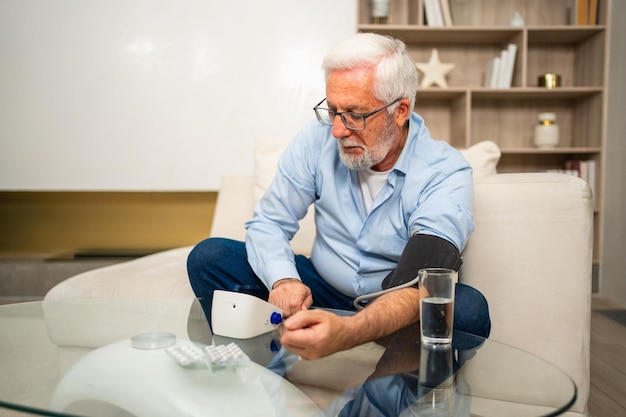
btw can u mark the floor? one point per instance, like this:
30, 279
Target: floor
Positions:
607, 396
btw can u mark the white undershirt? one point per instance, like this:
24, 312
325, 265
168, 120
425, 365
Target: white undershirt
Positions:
371, 183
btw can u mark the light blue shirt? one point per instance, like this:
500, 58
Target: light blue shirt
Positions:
428, 191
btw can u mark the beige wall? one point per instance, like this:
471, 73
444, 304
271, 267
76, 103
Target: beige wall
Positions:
613, 268
61, 223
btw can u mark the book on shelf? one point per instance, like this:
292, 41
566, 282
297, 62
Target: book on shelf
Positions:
584, 169
581, 12
499, 73
592, 15
493, 68
584, 12
433, 13
446, 11
510, 65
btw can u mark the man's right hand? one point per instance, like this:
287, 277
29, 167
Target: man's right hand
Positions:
291, 295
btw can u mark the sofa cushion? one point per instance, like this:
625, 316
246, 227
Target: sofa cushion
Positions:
483, 157
267, 152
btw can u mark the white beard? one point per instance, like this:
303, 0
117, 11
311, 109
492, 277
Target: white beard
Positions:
370, 156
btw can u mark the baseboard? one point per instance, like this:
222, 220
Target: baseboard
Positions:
31, 278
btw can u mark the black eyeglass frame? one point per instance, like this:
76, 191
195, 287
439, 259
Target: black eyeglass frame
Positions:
341, 114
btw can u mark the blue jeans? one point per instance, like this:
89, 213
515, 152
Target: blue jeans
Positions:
221, 264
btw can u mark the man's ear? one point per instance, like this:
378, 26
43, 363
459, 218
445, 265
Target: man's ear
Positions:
403, 112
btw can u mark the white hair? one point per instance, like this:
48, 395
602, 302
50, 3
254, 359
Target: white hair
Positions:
396, 75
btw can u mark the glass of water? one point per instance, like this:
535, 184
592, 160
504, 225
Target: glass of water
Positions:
436, 286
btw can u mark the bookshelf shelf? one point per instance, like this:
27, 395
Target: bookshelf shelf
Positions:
511, 93
562, 34
556, 150
445, 35
468, 112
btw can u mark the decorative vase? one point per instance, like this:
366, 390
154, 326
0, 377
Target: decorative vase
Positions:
547, 131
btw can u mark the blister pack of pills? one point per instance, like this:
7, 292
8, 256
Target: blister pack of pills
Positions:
222, 356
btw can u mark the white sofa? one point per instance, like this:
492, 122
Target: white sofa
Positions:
530, 255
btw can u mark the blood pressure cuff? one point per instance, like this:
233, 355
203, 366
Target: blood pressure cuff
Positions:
423, 251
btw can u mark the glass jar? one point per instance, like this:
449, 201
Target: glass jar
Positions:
547, 131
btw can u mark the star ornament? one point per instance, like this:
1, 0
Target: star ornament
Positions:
434, 71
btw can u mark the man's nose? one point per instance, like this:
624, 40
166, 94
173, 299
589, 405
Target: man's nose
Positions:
339, 128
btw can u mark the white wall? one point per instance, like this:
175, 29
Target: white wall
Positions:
613, 268
155, 94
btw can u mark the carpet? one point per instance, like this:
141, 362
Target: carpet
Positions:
615, 315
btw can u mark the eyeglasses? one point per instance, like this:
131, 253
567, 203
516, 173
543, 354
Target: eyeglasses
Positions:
351, 120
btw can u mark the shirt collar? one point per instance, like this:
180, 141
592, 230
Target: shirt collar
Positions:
416, 127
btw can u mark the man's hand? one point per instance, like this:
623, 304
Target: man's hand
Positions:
290, 295
316, 333
313, 334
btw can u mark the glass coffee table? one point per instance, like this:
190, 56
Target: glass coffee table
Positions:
109, 357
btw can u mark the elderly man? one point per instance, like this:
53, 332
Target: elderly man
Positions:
389, 200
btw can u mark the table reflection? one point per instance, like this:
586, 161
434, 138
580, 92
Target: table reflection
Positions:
412, 380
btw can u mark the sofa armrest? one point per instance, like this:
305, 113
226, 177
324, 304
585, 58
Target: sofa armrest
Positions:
531, 256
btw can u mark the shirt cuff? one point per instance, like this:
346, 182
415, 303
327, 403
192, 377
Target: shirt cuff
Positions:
279, 270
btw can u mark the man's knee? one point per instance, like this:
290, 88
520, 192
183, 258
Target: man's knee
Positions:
207, 253
219, 263
471, 313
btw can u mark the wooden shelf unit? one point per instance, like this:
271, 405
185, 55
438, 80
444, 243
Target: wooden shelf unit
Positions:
466, 112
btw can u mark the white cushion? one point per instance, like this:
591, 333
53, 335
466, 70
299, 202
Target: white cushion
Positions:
267, 152
483, 157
